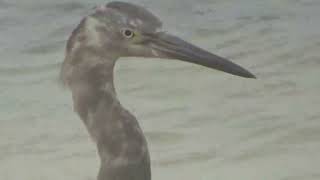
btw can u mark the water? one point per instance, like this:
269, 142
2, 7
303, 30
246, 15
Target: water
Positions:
200, 124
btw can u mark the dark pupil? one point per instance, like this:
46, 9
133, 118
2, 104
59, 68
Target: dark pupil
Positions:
128, 33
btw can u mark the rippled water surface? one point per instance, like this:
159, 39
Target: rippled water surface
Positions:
200, 124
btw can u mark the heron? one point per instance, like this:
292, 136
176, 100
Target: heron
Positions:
114, 30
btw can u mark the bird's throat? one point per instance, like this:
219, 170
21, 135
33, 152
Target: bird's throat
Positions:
92, 87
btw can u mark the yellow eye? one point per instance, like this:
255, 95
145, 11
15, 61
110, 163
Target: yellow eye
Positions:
128, 33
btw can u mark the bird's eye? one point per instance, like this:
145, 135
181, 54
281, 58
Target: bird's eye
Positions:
128, 33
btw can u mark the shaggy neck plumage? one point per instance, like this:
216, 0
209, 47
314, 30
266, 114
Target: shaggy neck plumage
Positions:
92, 86
120, 141
88, 72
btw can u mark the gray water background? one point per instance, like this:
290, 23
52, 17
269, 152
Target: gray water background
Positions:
200, 124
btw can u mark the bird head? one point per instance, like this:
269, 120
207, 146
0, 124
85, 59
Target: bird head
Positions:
121, 29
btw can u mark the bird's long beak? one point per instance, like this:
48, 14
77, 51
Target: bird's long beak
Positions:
172, 47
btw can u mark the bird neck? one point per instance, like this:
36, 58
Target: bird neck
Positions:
121, 144
90, 78
88, 72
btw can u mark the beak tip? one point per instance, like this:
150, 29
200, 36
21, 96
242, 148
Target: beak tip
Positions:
251, 76
239, 71
243, 73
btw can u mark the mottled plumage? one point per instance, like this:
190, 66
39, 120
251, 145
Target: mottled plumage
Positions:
143, 18
116, 30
